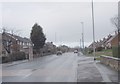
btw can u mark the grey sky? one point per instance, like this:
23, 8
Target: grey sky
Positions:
60, 20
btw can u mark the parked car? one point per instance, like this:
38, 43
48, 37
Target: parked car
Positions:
75, 51
59, 53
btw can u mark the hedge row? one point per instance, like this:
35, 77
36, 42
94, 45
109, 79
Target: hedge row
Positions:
116, 51
14, 57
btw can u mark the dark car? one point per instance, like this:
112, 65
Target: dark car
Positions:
75, 51
59, 53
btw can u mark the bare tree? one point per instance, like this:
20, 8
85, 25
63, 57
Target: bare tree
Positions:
12, 31
4, 29
15, 32
114, 21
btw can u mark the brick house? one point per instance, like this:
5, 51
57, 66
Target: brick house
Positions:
115, 43
104, 43
108, 42
13, 43
49, 48
116, 40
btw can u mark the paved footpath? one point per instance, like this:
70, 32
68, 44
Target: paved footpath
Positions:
92, 71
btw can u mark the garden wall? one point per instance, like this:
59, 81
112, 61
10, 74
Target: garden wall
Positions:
110, 61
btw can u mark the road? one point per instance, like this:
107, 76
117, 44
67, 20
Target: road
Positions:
53, 68
63, 68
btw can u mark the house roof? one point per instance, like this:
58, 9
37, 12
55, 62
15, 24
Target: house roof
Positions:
109, 40
104, 41
100, 42
19, 38
91, 45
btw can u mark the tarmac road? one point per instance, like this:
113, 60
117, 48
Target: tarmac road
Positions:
68, 67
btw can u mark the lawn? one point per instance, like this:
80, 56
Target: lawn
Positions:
107, 52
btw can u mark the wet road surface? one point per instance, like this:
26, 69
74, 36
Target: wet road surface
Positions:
53, 68
68, 67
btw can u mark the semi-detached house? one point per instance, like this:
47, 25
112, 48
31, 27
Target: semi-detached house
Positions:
12, 43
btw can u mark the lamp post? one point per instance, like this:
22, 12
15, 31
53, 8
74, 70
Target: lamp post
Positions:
55, 36
80, 45
83, 36
93, 29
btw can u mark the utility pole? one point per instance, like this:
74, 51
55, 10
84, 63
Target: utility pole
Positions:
82, 35
80, 45
55, 36
93, 29
4, 30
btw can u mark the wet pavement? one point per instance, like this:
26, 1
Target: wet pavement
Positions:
68, 67
88, 73
93, 71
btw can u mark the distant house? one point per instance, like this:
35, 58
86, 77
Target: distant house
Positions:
116, 40
104, 42
113, 41
92, 44
107, 45
101, 44
63, 48
49, 48
13, 43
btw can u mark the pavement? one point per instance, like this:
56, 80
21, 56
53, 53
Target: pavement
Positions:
93, 71
68, 67
86, 71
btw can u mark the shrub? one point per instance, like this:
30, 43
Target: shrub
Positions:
116, 51
99, 49
6, 59
90, 51
18, 56
14, 57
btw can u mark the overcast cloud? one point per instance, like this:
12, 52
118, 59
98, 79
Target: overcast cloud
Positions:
61, 21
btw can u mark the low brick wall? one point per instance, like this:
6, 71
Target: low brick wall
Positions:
110, 61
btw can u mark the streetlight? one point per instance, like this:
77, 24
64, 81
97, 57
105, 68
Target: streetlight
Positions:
80, 44
83, 35
93, 29
55, 36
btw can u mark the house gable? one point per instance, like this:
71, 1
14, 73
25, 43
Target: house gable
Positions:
115, 41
